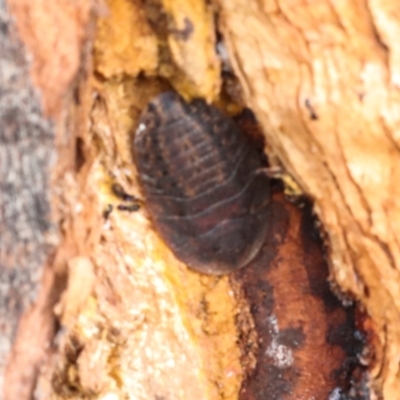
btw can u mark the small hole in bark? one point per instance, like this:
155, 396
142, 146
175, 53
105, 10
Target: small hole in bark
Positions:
79, 154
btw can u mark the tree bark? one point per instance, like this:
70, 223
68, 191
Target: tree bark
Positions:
27, 155
322, 80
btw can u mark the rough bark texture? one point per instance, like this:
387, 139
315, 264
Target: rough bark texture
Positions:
34, 48
322, 78
26, 158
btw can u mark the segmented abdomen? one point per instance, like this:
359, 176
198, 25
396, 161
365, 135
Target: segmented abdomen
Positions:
203, 182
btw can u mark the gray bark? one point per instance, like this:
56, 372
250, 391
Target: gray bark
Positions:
26, 157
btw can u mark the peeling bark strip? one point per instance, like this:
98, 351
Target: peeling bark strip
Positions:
26, 156
323, 79
204, 182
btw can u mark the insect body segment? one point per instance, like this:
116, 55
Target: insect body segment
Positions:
203, 182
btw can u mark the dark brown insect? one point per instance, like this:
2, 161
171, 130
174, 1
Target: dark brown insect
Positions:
119, 191
128, 207
204, 183
131, 202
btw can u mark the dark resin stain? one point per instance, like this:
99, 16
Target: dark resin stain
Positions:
291, 337
204, 183
306, 343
